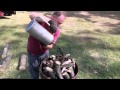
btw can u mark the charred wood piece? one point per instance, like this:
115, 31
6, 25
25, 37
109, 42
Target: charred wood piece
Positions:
51, 73
67, 62
66, 56
66, 75
5, 62
68, 65
58, 70
53, 57
71, 72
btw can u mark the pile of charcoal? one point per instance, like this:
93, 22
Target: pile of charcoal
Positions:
59, 67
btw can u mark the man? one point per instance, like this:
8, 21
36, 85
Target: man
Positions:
36, 50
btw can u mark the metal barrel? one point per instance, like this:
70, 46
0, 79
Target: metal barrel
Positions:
43, 76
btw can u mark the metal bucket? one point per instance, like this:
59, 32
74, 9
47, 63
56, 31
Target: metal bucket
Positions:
43, 76
39, 32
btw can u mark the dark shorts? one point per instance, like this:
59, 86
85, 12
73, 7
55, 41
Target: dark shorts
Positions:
34, 63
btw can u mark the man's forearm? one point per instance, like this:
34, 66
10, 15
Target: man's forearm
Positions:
48, 46
32, 15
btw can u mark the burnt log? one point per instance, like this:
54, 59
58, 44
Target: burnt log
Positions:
51, 63
67, 62
66, 56
73, 60
66, 75
68, 65
58, 70
64, 69
71, 72
5, 51
53, 57
5, 62
51, 73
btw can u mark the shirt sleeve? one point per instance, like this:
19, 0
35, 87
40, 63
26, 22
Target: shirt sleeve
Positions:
56, 35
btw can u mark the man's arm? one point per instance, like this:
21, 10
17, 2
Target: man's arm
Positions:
56, 35
48, 46
32, 15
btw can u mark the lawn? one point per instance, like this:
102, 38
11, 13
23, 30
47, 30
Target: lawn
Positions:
91, 37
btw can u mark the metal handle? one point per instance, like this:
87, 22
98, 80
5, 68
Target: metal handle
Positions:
59, 50
42, 20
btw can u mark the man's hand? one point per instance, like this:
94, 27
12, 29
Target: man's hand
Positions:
53, 25
48, 46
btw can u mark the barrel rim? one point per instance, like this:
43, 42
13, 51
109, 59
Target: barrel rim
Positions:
30, 25
45, 77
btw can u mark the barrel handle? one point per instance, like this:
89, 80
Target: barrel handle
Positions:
42, 19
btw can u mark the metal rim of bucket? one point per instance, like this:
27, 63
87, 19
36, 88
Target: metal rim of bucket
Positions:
43, 76
30, 25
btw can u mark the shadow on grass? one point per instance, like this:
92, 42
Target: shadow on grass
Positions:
16, 48
78, 47
7, 29
113, 31
4, 18
87, 14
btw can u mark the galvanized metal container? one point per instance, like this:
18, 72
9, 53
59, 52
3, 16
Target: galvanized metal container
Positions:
39, 32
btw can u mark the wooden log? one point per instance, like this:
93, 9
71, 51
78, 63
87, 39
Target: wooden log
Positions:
64, 69
5, 51
73, 60
66, 75
44, 64
58, 70
47, 63
22, 62
66, 62
66, 56
44, 71
51, 63
50, 71
5, 62
68, 65
53, 57
71, 72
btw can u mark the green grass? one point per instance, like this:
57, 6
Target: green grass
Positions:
93, 40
